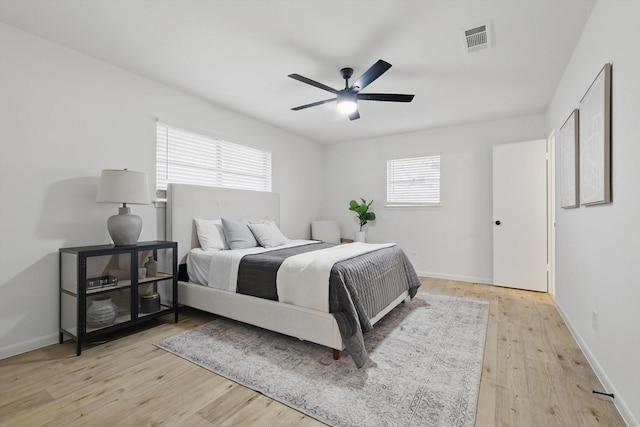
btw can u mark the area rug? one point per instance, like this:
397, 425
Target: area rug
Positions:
424, 367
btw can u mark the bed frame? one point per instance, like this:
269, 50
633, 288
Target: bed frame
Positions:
187, 202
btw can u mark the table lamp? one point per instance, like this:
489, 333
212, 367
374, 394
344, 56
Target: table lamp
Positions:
124, 186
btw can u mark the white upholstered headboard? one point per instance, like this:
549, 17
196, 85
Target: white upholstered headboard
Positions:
187, 202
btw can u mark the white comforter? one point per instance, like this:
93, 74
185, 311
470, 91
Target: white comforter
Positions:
219, 269
302, 280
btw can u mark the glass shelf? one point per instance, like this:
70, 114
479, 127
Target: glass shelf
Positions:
159, 276
163, 307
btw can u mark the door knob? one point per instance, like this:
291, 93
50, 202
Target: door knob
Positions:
498, 222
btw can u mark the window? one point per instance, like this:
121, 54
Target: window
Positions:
413, 181
186, 157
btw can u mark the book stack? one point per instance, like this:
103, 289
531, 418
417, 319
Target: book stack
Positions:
102, 282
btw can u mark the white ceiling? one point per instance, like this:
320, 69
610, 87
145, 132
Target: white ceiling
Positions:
238, 54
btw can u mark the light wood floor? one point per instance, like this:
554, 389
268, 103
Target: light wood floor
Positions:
534, 375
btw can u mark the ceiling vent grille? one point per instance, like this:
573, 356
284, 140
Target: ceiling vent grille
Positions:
477, 38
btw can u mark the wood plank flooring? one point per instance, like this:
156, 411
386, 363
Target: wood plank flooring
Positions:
534, 374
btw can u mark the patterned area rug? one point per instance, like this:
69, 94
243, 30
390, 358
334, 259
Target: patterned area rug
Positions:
424, 367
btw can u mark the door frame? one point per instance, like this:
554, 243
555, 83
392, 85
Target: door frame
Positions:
551, 214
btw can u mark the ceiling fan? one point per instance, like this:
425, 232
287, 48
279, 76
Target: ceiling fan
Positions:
348, 97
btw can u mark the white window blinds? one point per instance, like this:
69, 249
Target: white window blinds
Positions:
186, 157
413, 181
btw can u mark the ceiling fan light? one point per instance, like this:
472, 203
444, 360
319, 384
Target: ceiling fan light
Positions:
347, 106
346, 102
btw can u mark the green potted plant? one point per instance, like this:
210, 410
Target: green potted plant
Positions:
364, 216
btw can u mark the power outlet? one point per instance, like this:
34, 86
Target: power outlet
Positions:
413, 255
594, 320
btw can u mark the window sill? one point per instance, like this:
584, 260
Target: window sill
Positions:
433, 206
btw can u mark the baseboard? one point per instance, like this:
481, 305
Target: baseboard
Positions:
470, 279
619, 402
25, 346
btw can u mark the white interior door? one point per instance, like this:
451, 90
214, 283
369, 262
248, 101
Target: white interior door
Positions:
520, 215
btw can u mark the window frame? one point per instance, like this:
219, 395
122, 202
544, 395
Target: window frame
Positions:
248, 163
415, 204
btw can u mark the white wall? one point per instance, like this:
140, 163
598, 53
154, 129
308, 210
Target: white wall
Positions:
65, 117
454, 241
598, 248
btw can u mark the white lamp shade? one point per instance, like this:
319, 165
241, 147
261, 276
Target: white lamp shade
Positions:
123, 186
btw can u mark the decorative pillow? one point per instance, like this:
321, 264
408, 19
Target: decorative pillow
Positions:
210, 234
268, 234
238, 235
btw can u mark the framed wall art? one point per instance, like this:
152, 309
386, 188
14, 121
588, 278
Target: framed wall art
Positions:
595, 141
569, 164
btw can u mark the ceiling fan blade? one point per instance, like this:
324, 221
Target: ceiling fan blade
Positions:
375, 71
313, 104
308, 81
393, 97
354, 116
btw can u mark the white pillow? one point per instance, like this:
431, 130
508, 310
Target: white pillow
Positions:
268, 234
210, 234
238, 234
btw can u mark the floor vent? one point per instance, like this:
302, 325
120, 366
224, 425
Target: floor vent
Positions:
477, 38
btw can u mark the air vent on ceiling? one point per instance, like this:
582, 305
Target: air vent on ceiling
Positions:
477, 38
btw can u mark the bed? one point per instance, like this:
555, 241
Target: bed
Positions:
185, 203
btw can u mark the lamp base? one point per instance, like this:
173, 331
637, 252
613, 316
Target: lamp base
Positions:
124, 228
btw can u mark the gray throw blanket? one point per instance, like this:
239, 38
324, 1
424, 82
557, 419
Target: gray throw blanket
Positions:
359, 287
